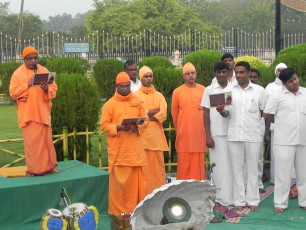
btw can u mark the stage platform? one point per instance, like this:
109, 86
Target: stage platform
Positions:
24, 200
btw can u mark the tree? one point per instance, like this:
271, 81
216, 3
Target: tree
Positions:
32, 25
4, 10
125, 18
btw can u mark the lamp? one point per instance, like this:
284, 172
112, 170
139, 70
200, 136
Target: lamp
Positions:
176, 210
182, 204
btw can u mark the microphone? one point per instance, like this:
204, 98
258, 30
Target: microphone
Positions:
62, 202
35, 68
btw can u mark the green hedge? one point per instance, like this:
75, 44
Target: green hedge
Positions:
66, 65
77, 104
6, 71
105, 72
300, 48
294, 60
155, 61
204, 61
254, 62
267, 75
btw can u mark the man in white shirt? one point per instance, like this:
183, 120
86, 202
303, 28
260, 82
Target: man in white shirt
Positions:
244, 137
254, 78
272, 89
287, 109
216, 138
130, 68
228, 59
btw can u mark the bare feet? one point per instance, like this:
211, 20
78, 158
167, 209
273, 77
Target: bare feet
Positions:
217, 204
254, 208
279, 210
239, 208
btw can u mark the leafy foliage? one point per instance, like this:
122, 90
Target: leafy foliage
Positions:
6, 71
295, 58
155, 61
204, 61
76, 105
125, 18
254, 62
67, 65
105, 72
9, 25
267, 75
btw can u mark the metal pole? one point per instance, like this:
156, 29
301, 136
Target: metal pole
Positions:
277, 26
19, 30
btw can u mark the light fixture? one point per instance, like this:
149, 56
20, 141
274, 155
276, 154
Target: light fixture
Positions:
176, 210
181, 204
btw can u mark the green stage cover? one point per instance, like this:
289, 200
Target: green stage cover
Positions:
24, 200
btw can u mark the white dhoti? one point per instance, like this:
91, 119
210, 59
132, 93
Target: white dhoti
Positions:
223, 172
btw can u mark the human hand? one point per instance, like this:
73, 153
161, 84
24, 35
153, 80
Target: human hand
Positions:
210, 142
134, 128
44, 86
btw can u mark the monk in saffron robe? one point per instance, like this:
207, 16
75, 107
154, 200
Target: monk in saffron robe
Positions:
155, 142
126, 154
34, 114
187, 115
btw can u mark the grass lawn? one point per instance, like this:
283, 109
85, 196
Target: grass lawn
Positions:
9, 130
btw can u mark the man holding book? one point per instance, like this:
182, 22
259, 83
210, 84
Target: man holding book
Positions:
244, 136
153, 136
216, 136
126, 155
34, 114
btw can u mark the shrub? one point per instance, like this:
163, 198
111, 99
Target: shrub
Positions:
6, 71
166, 81
44, 60
204, 61
105, 72
254, 62
155, 61
294, 60
267, 75
66, 65
300, 48
76, 105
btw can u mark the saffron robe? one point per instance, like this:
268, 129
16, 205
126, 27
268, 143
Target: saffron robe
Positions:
188, 122
34, 117
126, 154
154, 137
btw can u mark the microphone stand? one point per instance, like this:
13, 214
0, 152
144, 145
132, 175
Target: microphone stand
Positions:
212, 182
62, 203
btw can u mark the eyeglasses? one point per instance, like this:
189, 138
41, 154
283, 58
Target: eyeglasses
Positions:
124, 86
30, 58
190, 73
132, 69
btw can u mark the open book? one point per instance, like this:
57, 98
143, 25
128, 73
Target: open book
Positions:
133, 121
220, 99
41, 77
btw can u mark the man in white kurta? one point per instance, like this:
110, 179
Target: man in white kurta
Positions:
288, 109
244, 137
216, 138
271, 89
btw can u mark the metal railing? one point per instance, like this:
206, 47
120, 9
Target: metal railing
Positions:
147, 43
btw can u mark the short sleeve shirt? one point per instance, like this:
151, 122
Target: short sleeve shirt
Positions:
289, 112
218, 124
245, 113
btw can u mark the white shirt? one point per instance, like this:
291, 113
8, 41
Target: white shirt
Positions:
245, 113
290, 116
135, 86
218, 124
232, 81
271, 89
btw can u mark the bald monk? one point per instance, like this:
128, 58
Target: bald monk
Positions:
126, 155
153, 136
34, 114
187, 115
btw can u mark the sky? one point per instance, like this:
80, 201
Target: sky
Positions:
46, 8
